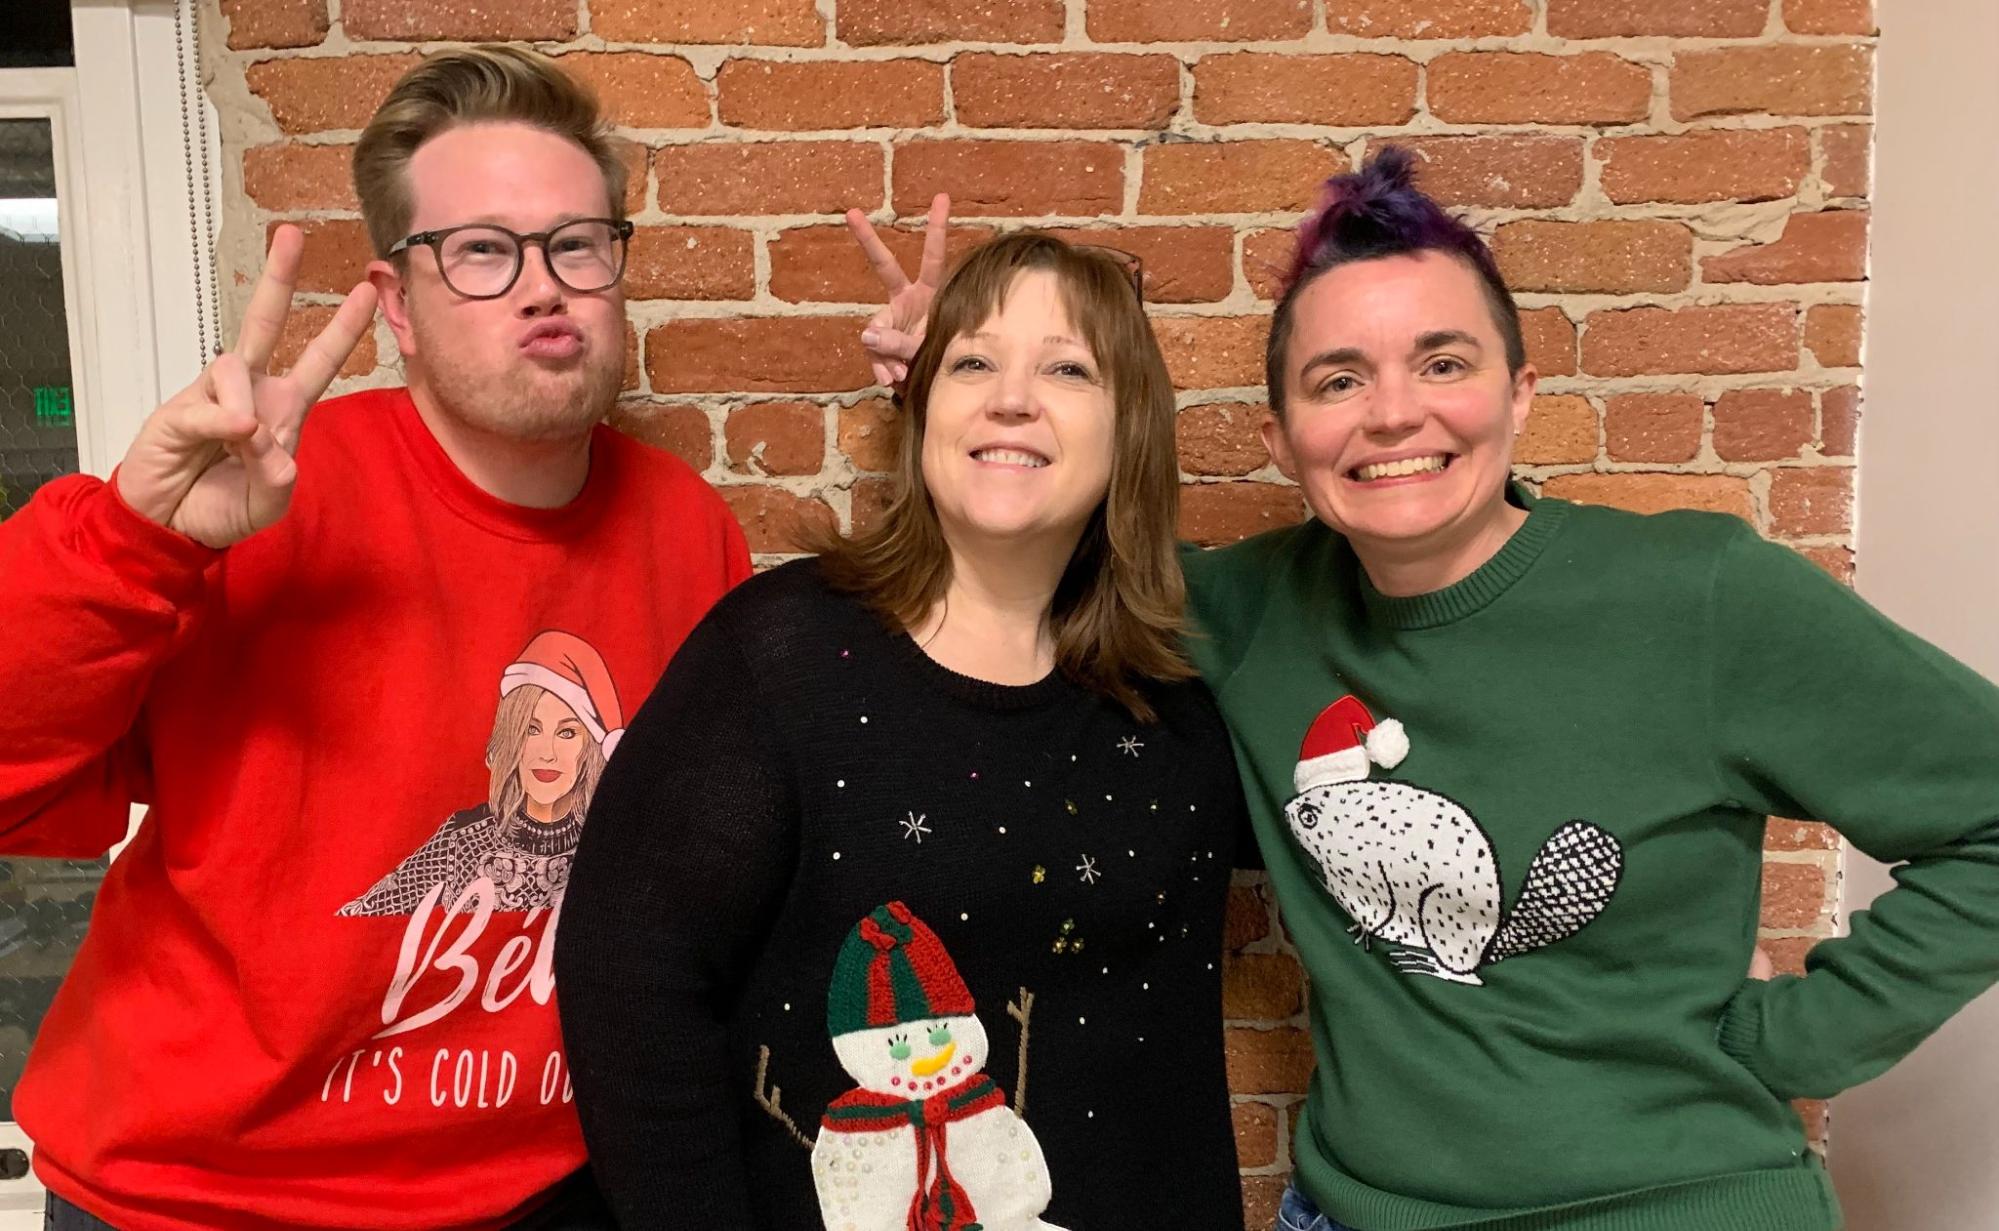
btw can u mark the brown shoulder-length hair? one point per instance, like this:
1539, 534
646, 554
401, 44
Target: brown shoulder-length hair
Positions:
1117, 613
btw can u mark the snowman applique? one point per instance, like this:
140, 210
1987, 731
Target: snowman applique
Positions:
1414, 868
926, 1142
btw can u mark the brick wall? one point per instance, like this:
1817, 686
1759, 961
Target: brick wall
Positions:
1678, 190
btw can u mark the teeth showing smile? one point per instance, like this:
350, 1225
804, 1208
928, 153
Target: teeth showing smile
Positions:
1009, 457
1402, 469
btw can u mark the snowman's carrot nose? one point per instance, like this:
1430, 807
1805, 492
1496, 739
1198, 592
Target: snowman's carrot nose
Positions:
927, 1068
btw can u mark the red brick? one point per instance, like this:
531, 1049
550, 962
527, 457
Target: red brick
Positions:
1235, 177
1551, 341
336, 254
1255, 1134
1332, 91
1262, 987
1794, 895
1653, 427
1782, 834
1561, 430
1205, 21
774, 520
1837, 561
1180, 264
1221, 438
1723, 338
1816, 1116
775, 438
1787, 953
313, 94
868, 500
691, 263
870, 434
474, 21
1612, 257
1011, 177
772, 94
303, 325
1833, 334
1529, 171
780, 177
1069, 90
1698, 167
1839, 421
631, 382
636, 158
1267, 1061
1829, 16
1775, 79
1655, 493
275, 23
1848, 150
1262, 1197
1428, 18
1215, 514
823, 264
1506, 87
795, 354
1818, 500
873, 23
785, 23
289, 176
1762, 425
1213, 352
643, 90
1266, 260
1824, 247
1246, 920
1672, 18
680, 429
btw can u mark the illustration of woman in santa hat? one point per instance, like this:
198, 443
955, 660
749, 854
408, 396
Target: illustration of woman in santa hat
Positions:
558, 722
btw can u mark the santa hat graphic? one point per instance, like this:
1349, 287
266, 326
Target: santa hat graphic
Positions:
891, 971
1343, 741
567, 666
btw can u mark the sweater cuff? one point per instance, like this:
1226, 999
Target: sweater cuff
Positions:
1741, 1031
138, 551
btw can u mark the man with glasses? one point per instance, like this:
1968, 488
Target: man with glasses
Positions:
303, 1001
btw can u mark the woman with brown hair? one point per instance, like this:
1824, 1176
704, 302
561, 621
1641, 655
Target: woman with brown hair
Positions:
897, 812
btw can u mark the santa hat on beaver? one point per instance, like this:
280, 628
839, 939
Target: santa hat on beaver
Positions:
569, 667
1344, 740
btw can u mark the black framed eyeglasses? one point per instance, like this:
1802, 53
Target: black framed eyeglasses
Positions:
482, 261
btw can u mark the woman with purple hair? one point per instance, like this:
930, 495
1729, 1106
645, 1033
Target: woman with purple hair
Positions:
1509, 761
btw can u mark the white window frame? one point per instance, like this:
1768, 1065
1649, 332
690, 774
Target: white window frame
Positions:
130, 258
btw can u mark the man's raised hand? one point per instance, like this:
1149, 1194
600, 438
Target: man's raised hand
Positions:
892, 335
215, 461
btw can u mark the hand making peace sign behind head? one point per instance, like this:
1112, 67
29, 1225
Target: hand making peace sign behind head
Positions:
215, 461
893, 334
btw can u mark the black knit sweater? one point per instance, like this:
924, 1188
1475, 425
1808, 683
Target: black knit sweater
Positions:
800, 767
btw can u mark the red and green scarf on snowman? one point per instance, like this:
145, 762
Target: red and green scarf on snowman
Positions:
940, 1204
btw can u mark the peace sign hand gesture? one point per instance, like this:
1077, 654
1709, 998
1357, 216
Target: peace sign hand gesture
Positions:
893, 334
215, 461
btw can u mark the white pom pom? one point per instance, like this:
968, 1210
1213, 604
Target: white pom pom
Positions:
1388, 743
611, 740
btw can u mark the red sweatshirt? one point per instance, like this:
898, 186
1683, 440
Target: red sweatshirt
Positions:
316, 990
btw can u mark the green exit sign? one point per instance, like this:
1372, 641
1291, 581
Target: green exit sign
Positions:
52, 406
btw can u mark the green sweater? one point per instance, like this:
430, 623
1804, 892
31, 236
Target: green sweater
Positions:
1528, 936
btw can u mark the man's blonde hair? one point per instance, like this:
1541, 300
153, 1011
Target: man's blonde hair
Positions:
489, 84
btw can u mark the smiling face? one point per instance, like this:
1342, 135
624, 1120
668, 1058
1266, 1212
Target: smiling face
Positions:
1019, 423
1400, 413
551, 757
915, 1060
540, 362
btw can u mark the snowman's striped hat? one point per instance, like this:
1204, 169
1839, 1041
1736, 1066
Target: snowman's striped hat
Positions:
1343, 741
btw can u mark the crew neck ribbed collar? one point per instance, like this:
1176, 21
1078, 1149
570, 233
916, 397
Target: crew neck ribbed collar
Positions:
1490, 580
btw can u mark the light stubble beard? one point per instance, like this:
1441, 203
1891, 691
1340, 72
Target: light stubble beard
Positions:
523, 401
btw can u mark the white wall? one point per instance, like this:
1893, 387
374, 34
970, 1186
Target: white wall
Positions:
1917, 1148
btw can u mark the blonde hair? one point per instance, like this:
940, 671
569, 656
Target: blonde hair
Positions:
470, 85
504, 791
1117, 615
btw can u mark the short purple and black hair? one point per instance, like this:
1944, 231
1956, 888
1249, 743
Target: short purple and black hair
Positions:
1379, 212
